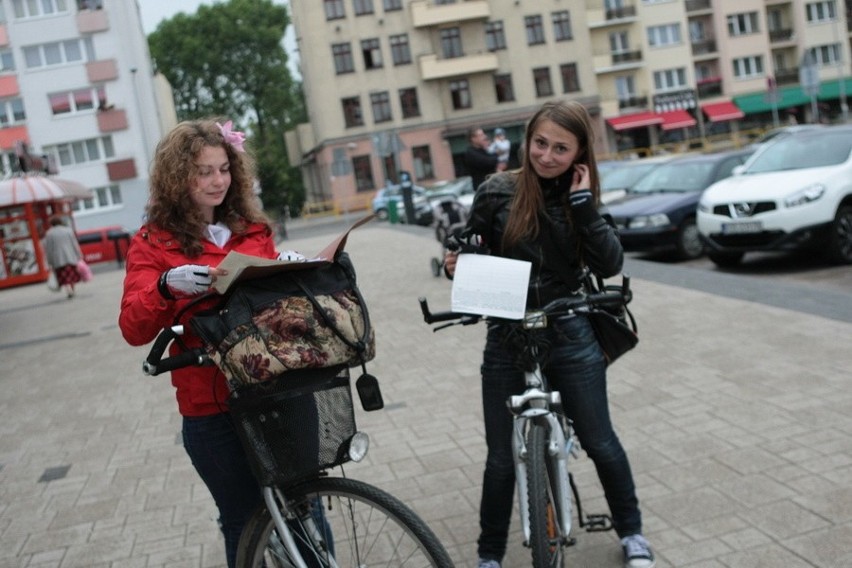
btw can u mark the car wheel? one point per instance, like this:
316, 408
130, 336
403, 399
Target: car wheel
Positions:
689, 244
382, 214
840, 238
725, 259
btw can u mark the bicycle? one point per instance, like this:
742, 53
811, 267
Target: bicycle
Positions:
309, 518
543, 436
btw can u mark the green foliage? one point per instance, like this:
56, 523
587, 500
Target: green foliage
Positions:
228, 60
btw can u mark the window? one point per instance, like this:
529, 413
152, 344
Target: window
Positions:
400, 50
659, 36
821, 11
570, 80
372, 52
334, 9
381, 106
59, 52
742, 24
81, 100
31, 9
11, 112
363, 169
363, 7
541, 78
82, 151
422, 162
503, 89
562, 25
625, 87
409, 103
618, 42
342, 55
108, 197
825, 55
460, 94
352, 112
391, 5
697, 31
495, 37
535, 30
7, 61
670, 79
748, 67
451, 44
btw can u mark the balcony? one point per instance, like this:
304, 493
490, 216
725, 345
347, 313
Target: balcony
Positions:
620, 13
698, 6
91, 21
9, 86
710, 87
121, 169
599, 16
425, 13
632, 101
112, 120
704, 47
618, 61
103, 70
787, 76
4, 36
776, 36
432, 68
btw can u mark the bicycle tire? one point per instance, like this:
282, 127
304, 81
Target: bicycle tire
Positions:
545, 529
369, 527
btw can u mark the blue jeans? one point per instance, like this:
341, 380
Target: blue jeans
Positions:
216, 453
575, 366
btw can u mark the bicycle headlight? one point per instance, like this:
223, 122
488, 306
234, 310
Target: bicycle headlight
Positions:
358, 446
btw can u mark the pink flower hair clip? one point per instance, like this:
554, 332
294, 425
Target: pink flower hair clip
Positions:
232, 137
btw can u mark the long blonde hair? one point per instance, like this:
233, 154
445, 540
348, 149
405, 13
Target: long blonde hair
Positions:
170, 206
528, 201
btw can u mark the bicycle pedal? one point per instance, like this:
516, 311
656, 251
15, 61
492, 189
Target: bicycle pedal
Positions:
598, 523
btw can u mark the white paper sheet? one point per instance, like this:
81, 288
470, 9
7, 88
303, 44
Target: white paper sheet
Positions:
490, 286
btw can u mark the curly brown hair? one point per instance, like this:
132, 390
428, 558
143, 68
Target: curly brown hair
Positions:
528, 202
170, 206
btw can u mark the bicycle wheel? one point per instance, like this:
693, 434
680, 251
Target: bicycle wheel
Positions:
545, 538
353, 525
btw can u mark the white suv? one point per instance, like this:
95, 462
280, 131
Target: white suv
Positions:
792, 193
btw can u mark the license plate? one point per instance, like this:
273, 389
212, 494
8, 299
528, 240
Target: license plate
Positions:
739, 228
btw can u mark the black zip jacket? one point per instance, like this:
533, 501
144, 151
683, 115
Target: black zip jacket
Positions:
586, 239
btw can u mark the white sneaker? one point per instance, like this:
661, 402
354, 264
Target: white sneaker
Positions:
637, 552
488, 563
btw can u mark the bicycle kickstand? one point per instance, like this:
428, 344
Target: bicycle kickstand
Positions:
592, 523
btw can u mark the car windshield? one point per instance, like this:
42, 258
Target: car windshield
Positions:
624, 177
805, 151
676, 177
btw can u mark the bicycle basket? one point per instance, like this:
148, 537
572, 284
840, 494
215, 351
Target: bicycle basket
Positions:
293, 428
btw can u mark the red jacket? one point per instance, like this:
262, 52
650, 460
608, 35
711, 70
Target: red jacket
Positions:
201, 391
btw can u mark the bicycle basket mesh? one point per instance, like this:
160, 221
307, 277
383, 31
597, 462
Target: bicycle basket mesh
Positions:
292, 429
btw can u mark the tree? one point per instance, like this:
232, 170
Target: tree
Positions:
228, 60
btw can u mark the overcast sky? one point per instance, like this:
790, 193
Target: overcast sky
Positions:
155, 11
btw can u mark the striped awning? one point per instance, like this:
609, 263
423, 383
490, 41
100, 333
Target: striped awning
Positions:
675, 119
720, 112
30, 188
637, 120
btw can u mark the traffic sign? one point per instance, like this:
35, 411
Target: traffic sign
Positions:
809, 75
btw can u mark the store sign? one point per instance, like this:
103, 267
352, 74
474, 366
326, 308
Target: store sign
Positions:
678, 100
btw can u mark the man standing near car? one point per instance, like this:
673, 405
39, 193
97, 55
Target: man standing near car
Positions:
478, 161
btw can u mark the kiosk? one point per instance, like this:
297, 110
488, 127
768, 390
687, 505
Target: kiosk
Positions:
26, 203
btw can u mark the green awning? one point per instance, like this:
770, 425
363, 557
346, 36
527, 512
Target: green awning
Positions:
791, 96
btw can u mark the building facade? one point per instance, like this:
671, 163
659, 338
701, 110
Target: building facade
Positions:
77, 86
394, 85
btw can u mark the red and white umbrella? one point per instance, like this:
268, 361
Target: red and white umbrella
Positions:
29, 188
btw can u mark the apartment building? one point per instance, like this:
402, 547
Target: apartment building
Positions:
76, 85
394, 85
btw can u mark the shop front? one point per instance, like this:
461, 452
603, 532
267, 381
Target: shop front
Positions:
26, 204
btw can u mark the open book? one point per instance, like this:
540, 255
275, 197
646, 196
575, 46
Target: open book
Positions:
245, 267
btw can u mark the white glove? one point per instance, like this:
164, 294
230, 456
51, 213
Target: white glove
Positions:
291, 256
189, 279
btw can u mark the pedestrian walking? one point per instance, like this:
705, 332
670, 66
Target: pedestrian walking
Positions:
63, 254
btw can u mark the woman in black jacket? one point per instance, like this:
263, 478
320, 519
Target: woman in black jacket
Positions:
546, 213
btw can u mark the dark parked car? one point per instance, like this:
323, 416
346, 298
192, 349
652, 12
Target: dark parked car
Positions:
659, 211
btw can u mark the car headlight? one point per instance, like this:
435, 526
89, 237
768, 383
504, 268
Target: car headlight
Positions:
704, 207
806, 195
647, 221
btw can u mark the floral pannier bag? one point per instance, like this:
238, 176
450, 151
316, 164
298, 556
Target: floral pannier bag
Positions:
300, 319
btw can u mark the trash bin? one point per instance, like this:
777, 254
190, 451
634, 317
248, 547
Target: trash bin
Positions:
393, 212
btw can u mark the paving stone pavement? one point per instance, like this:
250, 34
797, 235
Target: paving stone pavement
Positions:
737, 417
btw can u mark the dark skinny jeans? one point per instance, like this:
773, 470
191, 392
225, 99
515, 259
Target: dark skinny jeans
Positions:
575, 366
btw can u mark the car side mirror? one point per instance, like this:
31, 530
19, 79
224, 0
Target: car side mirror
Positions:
738, 170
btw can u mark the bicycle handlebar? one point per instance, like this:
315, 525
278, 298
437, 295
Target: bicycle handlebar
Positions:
611, 296
154, 364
